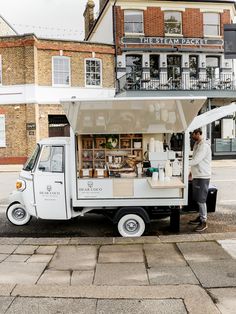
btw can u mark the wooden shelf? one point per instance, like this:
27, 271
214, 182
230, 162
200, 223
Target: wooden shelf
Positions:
91, 144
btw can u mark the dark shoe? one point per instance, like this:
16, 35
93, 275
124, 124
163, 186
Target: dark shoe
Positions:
201, 227
196, 221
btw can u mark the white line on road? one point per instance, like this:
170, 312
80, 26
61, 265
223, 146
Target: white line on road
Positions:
227, 201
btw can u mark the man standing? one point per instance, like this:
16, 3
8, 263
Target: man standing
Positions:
200, 174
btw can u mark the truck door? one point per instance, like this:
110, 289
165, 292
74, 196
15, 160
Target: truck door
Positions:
49, 183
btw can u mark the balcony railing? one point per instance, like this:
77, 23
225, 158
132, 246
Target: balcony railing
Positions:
131, 82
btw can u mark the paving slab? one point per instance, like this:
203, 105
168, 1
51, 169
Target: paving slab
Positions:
55, 277
6, 289
46, 306
26, 249
46, 249
163, 255
225, 299
91, 240
122, 274
193, 295
229, 246
202, 251
219, 236
46, 241
121, 254
141, 306
7, 249
20, 272
3, 257
15, 258
11, 240
171, 275
136, 240
5, 302
40, 258
181, 238
215, 274
82, 278
74, 257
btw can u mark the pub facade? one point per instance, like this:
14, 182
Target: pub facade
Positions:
171, 48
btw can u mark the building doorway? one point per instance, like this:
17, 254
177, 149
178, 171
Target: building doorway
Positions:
58, 125
174, 70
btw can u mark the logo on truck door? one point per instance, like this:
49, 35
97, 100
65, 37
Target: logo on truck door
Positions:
49, 188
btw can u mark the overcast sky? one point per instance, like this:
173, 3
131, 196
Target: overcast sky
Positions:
46, 18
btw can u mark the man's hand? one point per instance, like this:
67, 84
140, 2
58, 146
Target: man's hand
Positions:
190, 177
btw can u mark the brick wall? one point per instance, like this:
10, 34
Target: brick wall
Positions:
77, 67
28, 60
16, 137
192, 23
153, 22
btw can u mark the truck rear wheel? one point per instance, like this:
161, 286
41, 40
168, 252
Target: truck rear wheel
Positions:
131, 225
18, 215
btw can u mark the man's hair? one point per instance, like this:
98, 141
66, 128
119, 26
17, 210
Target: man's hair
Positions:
198, 131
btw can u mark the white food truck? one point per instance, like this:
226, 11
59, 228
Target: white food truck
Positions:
113, 163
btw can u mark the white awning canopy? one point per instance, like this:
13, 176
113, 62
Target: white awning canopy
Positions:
132, 115
211, 116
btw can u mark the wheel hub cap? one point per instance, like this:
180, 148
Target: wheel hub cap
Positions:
131, 225
18, 213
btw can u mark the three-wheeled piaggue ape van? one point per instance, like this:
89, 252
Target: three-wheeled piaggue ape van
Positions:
118, 162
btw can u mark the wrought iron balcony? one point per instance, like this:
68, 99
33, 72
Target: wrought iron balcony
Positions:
132, 82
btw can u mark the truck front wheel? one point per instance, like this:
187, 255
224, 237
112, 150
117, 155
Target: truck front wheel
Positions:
17, 215
131, 225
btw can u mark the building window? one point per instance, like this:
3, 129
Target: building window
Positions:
173, 22
174, 67
93, 72
2, 131
154, 66
211, 24
133, 21
213, 67
193, 66
61, 71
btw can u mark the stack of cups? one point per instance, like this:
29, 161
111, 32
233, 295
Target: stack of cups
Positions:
155, 176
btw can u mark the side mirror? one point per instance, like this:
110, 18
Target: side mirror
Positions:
41, 168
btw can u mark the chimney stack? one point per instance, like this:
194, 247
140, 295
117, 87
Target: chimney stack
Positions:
88, 17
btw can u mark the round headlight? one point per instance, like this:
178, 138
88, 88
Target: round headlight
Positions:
20, 185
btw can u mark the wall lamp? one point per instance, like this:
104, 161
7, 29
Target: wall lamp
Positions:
163, 64
146, 64
119, 64
186, 64
203, 64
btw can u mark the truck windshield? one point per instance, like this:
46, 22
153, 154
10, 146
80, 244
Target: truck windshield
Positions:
29, 165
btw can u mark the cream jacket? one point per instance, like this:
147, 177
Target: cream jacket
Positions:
201, 161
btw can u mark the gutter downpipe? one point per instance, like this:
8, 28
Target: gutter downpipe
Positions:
114, 39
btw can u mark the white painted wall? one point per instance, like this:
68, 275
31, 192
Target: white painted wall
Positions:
104, 32
5, 29
18, 94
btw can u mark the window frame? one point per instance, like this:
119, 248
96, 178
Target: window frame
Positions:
142, 22
181, 23
3, 141
85, 72
218, 25
53, 76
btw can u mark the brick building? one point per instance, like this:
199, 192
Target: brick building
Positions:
35, 75
171, 48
